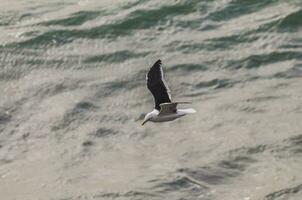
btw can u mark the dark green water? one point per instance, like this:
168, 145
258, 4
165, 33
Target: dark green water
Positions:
73, 94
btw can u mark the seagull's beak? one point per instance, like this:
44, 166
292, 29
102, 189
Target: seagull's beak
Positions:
145, 121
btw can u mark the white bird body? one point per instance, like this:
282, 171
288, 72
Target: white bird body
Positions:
156, 117
164, 109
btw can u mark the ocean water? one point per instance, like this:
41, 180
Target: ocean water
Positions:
73, 95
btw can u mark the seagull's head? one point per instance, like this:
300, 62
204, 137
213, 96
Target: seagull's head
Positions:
147, 118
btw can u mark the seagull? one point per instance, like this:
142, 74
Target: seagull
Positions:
164, 109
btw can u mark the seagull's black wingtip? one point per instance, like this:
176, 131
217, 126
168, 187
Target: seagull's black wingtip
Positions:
158, 61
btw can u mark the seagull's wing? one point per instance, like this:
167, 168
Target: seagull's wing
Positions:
170, 108
167, 108
157, 85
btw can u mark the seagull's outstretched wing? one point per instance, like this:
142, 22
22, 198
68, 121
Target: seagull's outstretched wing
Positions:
168, 108
157, 85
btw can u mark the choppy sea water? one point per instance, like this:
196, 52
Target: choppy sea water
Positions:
73, 94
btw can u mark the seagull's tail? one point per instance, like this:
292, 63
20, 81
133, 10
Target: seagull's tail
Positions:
187, 110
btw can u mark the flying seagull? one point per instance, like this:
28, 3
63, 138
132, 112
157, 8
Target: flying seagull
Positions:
164, 109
